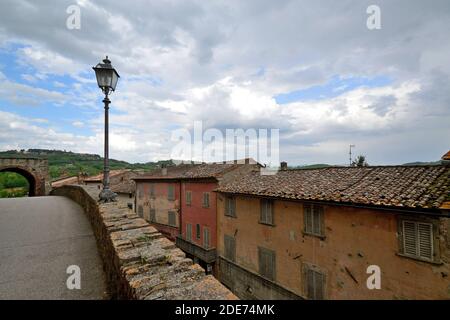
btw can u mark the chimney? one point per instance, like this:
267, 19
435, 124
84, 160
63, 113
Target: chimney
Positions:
283, 165
164, 169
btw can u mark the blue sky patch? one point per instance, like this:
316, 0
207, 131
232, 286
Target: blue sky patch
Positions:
335, 87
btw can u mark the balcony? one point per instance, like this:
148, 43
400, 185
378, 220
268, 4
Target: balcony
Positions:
207, 255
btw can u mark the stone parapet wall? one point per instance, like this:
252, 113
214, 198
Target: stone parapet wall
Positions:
139, 262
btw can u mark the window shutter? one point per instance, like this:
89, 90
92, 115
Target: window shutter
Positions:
317, 219
189, 232
206, 199
172, 219
188, 198
206, 238
171, 192
409, 238
230, 247
425, 236
319, 285
310, 284
308, 218
315, 284
198, 231
140, 211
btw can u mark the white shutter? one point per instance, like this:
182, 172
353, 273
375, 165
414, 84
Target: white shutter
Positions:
409, 238
425, 237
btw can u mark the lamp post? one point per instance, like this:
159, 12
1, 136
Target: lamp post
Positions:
107, 78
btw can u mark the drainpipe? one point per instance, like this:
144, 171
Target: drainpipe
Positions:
180, 217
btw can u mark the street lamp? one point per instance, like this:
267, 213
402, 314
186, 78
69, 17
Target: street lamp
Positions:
107, 78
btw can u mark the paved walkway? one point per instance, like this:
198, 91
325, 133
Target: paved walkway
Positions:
39, 238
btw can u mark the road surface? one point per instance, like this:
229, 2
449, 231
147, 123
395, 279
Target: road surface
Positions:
40, 237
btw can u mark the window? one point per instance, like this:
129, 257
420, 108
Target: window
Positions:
171, 192
205, 200
314, 283
206, 238
152, 190
417, 239
152, 215
172, 219
266, 214
266, 260
188, 198
139, 191
140, 211
197, 231
230, 247
189, 232
313, 219
230, 206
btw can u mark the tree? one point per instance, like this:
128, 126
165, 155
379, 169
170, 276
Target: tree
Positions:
360, 161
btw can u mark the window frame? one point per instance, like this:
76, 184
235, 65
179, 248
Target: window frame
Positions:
189, 232
314, 270
227, 206
207, 203
198, 231
262, 206
206, 235
174, 217
170, 192
229, 239
188, 199
270, 255
435, 243
321, 224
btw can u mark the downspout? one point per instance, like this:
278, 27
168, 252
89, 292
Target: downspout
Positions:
180, 232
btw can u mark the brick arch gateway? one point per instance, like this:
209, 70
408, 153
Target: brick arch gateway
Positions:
35, 170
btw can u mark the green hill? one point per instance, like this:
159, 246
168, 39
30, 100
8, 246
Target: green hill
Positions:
67, 163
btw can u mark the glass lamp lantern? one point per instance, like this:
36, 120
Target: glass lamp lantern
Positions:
107, 76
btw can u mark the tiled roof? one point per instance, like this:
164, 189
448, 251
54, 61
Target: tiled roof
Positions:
124, 182
399, 186
188, 171
446, 156
99, 177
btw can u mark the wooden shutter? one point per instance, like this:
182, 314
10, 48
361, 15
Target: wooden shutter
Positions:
189, 232
425, 237
172, 219
266, 263
315, 284
308, 218
409, 238
230, 247
206, 199
171, 192
317, 219
206, 238
188, 198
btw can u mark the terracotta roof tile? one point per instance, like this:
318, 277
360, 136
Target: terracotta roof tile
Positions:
188, 171
400, 186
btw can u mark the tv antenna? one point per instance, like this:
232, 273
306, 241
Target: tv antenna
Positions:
350, 154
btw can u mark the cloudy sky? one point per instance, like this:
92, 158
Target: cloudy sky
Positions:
309, 68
